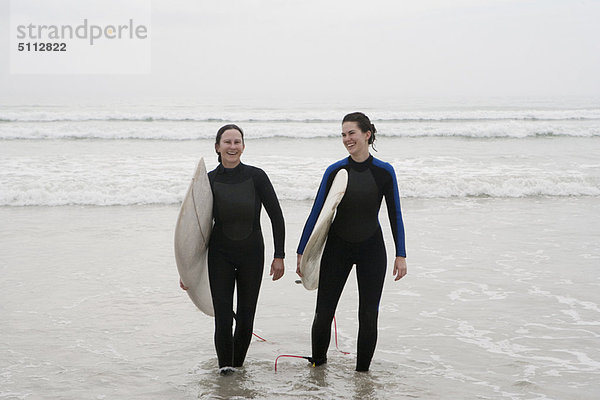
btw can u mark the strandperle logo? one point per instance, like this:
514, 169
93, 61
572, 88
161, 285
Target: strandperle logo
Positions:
90, 32
80, 37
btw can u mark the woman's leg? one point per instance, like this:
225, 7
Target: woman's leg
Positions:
248, 278
335, 268
221, 275
370, 273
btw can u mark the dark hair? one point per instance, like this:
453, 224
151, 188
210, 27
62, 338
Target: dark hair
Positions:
226, 128
364, 124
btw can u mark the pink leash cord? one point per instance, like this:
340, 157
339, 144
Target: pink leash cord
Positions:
308, 358
288, 355
336, 341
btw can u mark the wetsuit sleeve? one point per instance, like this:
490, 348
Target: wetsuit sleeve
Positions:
317, 206
392, 200
271, 203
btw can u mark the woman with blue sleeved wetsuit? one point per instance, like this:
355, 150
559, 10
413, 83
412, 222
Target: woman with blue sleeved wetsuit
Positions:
236, 246
355, 238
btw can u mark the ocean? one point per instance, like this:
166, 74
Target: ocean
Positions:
501, 202
142, 155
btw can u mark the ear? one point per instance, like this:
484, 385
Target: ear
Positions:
369, 134
217, 148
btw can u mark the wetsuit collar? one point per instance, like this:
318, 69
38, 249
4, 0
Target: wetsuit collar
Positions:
360, 165
229, 171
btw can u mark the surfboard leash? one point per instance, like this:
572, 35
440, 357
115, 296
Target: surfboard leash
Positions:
291, 356
309, 359
336, 341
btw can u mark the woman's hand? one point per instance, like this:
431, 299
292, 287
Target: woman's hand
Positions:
399, 267
299, 258
277, 268
181, 285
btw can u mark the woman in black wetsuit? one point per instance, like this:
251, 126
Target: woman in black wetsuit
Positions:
355, 238
236, 247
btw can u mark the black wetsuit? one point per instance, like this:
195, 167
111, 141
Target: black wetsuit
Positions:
355, 238
236, 253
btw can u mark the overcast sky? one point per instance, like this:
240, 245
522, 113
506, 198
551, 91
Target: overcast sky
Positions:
276, 50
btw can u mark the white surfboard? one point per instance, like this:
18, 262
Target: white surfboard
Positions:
311, 259
192, 233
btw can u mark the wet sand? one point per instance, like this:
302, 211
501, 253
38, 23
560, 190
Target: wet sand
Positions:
501, 301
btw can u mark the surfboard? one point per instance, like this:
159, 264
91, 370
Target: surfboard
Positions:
192, 232
311, 259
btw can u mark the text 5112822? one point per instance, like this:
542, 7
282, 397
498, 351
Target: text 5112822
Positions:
40, 46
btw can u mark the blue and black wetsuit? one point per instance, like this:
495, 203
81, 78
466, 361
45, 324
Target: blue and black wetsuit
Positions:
236, 253
355, 238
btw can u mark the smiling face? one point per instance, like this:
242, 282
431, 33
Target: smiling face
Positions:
355, 141
230, 147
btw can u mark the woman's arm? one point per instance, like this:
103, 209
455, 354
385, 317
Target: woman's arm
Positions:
392, 201
271, 204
